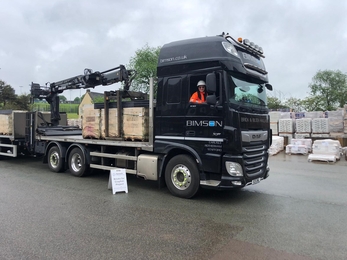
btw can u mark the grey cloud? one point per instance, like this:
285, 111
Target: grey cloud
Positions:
52, 40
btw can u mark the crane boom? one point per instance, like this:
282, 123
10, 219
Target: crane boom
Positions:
90, 79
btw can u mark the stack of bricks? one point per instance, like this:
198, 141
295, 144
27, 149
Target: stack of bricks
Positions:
303, 128
286, 128
320, 127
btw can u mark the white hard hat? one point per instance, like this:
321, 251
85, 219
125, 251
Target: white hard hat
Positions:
201, 83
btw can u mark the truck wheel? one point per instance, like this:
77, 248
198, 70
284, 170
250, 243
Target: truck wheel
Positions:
55, 161
77, 162
182, 176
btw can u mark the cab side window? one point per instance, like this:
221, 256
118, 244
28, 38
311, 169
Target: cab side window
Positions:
174, 88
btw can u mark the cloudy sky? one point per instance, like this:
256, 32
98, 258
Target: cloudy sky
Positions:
47, 41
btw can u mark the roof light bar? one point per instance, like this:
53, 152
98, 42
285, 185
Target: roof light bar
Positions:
243, 42
253, 46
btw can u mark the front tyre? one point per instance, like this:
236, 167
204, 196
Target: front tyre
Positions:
55, 161
182, 176
77, 162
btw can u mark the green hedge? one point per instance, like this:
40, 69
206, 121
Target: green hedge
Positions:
67, 108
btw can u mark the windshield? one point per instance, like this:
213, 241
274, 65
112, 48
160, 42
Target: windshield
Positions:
247, 92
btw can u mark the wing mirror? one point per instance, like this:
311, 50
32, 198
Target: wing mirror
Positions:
211, 83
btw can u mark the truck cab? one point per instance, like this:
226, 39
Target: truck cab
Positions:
227, 138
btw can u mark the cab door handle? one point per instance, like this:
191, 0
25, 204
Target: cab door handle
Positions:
190, 133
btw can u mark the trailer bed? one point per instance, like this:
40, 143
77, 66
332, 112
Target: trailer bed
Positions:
79, 139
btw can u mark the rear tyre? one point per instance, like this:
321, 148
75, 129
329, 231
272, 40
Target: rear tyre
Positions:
182, 176
77, 163
55, 161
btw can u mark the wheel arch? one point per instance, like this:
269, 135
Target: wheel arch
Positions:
173, 149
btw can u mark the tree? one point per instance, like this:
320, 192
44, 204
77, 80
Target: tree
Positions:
313, 103
22, 102
295, 104
329, 88
7, 94
77, 100
145, 64
274, 103
62, 99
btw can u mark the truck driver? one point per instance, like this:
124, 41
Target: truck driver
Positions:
200, 95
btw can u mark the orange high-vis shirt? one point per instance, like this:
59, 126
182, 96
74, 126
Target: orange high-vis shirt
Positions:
195, 98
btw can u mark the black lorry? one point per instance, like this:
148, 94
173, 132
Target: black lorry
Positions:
221, 144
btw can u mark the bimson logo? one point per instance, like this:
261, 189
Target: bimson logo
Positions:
204, 123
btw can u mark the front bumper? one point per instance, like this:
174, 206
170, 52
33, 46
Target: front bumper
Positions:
227, 181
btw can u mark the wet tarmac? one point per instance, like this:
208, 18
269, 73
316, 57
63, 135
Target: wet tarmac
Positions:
299, 212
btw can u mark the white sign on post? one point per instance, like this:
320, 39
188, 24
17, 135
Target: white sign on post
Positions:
118, 181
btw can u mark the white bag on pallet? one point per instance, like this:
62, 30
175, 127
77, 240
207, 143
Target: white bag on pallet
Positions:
325, 150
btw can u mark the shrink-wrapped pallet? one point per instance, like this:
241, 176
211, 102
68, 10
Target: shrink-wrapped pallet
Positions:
305, 142
286, 126
277, 145
286, 115
296, 149
335, 121
274, 116
298, 115
314, 114
303, 125
289, 138
325, 150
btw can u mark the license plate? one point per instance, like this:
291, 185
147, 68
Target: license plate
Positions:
255, 181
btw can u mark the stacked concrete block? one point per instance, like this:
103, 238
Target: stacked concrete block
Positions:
286, 129
286, 126
320, 126
274, 117
303, 125
302, 135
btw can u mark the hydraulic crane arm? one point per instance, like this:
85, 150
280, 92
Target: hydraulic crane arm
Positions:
90, 79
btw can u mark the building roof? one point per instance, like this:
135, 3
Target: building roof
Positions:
94, 95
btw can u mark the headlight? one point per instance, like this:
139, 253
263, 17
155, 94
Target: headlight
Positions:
230, 48
234, 169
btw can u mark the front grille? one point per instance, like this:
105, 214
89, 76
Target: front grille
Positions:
255, 160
